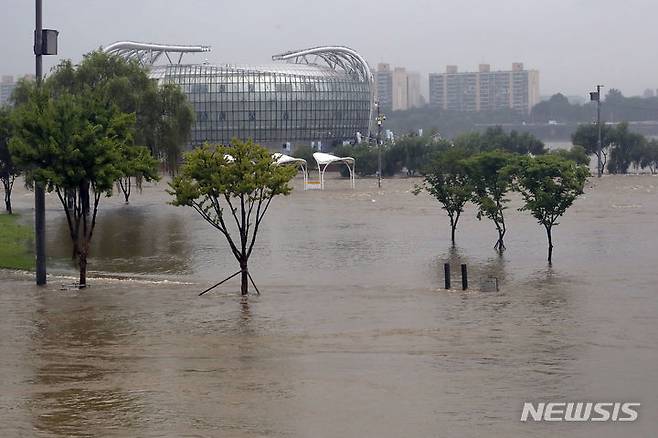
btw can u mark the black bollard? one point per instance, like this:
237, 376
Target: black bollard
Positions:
464, 277
446, 272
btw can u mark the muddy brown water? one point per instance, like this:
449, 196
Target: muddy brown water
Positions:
353, 335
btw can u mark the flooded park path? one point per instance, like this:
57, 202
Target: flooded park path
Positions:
353, 335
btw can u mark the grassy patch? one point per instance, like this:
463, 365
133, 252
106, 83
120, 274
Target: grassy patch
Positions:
15, 244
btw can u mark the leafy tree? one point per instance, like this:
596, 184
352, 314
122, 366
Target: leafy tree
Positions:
163, 116
124, 84
627, 147
365, 157
71, 143
8, 171
577, 154
549, 185
306, 152
173, 123
212, 183
492, 179
136, 163
446, 178
496, 138
587, 135
650, 157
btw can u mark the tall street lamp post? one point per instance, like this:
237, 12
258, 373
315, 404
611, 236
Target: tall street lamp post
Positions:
45, 43
380, 120
596, 96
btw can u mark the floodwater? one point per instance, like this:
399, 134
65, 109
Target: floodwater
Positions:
353, 335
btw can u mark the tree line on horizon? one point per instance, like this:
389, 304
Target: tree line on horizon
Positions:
615, 107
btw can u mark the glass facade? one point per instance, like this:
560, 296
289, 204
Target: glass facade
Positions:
275, 104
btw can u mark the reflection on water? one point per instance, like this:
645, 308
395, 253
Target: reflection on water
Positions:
354, 334
128, 239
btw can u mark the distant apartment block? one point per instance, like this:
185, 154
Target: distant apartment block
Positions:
485, 90
7, 86
384, 89
397, 89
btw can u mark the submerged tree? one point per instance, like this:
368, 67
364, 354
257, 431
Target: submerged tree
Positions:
587, 136
8, 170
137, 163
492, 180
549, 185
239, 181
446, 178
628, 148
163, 115
71, 143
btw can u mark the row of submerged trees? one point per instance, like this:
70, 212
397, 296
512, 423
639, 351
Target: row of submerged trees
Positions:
483, 168
86, 128
548, 184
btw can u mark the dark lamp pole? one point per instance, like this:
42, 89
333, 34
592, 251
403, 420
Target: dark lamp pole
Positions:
45, 43
380, 120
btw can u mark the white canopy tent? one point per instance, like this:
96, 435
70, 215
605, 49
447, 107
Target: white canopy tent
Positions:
324, 160
283, 159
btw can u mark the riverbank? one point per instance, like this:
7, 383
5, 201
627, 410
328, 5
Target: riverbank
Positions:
15, 243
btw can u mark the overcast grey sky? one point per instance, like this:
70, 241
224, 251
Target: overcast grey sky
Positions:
573, 43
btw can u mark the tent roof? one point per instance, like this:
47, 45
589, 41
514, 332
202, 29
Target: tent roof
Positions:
322, 158
287, 159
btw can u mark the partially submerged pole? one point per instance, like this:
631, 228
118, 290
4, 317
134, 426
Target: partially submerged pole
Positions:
446, 272
464, 277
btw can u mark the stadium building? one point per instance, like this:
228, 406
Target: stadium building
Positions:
320, 96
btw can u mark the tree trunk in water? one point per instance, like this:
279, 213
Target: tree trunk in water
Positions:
550, 245
245, 278
126, 186
82, 260
452, 234
500, 244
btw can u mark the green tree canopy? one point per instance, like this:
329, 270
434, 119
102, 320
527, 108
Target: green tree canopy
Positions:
496, 138
8, 170
627, 148
71, 143
237, 181
577, 154
587, 135
164, 118
549, 185
447, 180
492, 179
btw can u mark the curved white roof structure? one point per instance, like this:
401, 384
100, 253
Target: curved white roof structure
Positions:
324, 160
283, 159
149, 53
288, 93
287, 159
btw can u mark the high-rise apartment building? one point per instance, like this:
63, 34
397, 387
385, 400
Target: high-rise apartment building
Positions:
384, 86
485, 90
397, 89
7, 86
400, 94
414, 96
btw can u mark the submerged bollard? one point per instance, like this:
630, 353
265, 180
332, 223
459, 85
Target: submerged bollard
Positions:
446, 272
464, 277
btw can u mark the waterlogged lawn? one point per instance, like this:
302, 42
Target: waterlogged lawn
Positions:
15, 243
